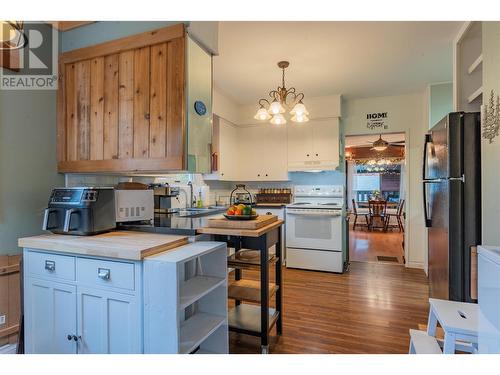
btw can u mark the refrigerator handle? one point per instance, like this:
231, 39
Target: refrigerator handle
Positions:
428, 139
428, 220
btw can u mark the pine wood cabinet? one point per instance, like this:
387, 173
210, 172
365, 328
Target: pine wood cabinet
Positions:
121, 104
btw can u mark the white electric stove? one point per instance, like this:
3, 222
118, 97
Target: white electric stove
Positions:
315, 228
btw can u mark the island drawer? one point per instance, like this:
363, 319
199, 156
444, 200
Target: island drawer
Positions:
104, 273
51, 266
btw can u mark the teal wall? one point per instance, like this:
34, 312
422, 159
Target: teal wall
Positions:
100, 32
440, 102
27, 162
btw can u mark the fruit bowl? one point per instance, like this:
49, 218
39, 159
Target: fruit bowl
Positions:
241, 217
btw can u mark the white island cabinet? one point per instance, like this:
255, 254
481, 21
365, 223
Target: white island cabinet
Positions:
171, 302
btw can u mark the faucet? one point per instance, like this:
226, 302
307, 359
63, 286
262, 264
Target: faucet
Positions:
191, 196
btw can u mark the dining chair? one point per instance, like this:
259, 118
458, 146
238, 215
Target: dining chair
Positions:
377, 210
398, 215
359, 212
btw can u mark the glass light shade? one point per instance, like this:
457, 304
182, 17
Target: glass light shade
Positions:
300, 118
262, 114
276, 108
379, 148
299, 109
278, 119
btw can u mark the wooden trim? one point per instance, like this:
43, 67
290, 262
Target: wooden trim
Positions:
122, 165
61, 114
9, 59
5, 270
9, 330
124, 44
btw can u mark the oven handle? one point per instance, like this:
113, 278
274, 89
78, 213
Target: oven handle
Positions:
309, 213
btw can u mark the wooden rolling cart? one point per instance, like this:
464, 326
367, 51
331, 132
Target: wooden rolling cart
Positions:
249, 318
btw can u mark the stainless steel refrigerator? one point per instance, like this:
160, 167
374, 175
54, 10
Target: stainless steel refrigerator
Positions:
452, 202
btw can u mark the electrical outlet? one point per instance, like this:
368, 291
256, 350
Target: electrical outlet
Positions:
2, 319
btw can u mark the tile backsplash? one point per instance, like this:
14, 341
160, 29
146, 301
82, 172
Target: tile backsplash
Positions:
219, 190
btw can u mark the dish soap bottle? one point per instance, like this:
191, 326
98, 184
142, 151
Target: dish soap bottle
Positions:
199, 203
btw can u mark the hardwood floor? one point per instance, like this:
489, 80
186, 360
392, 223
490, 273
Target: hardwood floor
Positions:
365, 246
366, 310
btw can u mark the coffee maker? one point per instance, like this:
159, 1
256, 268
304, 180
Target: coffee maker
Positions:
163, 197
80, 210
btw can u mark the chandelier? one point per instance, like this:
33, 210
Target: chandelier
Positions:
281, 100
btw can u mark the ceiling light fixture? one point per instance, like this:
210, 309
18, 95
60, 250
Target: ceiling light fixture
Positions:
281, 100
380, 144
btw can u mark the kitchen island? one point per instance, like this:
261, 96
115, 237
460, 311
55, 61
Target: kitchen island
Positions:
252, 251
124, 292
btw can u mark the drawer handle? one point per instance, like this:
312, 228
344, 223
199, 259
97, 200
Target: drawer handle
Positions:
103, 273
50, 265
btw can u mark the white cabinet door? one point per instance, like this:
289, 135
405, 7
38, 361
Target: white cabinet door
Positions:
50, 317
108, 322
325, 139
228, 151
263, 153
300, 143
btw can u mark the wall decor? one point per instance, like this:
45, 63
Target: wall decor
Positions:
377, 120
491, 118
200, 107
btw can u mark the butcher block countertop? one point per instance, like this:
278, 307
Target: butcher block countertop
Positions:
117, 244
241, 232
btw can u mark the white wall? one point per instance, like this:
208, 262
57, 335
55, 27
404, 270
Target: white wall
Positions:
440, 102
408, 114
490, 153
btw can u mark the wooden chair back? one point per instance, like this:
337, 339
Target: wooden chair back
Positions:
354, 209
377, 208
400, 207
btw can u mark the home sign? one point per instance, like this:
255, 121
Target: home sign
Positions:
377, 120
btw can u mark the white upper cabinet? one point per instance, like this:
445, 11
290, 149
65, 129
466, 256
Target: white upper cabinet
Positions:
228, 151
262, 153
313, 145
268, 152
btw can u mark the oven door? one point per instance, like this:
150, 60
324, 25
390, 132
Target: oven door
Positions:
314, 229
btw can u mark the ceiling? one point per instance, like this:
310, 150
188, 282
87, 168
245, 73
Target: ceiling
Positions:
367, 140
356, 59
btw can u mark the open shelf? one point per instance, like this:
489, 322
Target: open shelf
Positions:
475, 64
196, 329
195, 288
248, 259
248, 290
246, 317
476, 94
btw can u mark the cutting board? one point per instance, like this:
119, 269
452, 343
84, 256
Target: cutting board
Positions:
117, 244
259, 222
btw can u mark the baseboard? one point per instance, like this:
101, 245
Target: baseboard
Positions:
8, 349
418, 265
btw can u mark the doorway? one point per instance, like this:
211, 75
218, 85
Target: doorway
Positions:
376, 197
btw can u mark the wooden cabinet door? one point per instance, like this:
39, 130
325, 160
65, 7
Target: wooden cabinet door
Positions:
121, 105
108, 322
325, 139
50, 316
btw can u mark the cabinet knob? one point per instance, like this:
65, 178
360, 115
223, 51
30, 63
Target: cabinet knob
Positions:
258, 175
307, 155
317, 154
266, 174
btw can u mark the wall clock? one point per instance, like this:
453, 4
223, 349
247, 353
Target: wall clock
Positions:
200, 107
